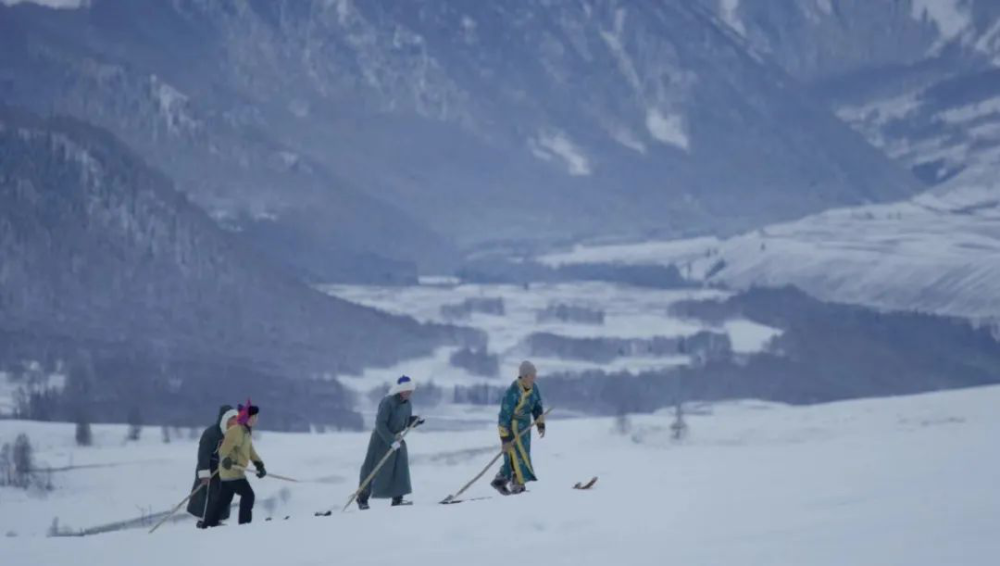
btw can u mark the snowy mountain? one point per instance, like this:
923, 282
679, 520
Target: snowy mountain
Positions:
472, 122
918, 78
113, 276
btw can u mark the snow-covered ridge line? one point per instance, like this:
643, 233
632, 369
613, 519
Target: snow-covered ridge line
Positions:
939, 252
57, 4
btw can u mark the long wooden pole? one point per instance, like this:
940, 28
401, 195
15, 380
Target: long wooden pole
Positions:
269, 474
378, 467
452, 498
181, 504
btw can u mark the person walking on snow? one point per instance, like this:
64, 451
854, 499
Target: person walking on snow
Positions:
205, 499
521, 403
394, 416
235, 454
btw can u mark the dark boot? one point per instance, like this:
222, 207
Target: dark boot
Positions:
499, 483
516, 488
363, 501
398, 501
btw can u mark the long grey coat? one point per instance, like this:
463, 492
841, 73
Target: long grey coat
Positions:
393, 480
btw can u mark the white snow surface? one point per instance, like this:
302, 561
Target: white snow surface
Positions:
652, 252
939, 252
61, 4
908, 480
549, 146
630, 312
981, 109
667, 128
951, 17
731, 16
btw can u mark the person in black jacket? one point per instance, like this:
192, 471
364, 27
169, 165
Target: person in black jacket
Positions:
208, 463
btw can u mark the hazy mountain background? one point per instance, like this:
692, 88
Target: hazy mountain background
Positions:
918, 78
402, 130
176, 173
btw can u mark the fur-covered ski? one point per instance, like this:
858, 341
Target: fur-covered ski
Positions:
587, 485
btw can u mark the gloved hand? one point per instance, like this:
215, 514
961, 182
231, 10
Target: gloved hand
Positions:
261, 472
541, 430
416, 421
396, 445
506, 445
227, 463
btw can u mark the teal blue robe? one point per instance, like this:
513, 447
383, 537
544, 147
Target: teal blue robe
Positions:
517, 409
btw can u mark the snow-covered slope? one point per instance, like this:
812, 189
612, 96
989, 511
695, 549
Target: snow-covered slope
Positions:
935, 253
891, 481
942, 131
60, 4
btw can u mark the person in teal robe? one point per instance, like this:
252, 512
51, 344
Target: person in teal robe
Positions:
521, 403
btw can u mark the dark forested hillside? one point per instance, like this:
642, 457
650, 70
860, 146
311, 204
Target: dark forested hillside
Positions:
98, 249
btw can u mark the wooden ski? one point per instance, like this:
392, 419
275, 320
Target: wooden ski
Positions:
378, 466
453, 498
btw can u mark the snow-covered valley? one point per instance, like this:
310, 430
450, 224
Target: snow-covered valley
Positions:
625, 312
908, 480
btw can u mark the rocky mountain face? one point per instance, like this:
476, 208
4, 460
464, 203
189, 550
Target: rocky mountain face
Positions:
104, 260
918, 78
333, 134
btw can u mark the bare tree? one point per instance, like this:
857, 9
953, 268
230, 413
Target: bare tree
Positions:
134, 424
84, 436
24, 461
54, 529
6, 465
623, 423
679, 428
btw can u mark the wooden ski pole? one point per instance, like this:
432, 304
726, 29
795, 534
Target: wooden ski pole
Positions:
452, 498
269, 474
208, 497
282, 478
378, 467
181, 504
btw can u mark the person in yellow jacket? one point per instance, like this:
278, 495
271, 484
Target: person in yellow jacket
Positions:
235, 454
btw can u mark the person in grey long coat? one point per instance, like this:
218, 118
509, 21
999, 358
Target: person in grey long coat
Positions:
394, 416
208, 462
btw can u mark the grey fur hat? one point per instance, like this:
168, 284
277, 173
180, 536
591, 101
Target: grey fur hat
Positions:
527, 368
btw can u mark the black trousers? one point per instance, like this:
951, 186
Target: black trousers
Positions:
229, 490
